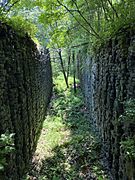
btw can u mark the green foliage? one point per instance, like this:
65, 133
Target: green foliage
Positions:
22, 26
94, 19
128, 119
6, 147
67, 22
128, 146
60, 85
67, 147
13, 13
129, 112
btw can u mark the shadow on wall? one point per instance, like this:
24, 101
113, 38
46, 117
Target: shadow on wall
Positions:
111, 74
67, 149
25, 91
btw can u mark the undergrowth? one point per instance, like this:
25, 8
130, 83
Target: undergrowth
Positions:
21, 26
67, 150
128, 118
6, 148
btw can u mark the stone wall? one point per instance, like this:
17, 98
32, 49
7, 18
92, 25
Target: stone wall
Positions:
108, 80
25, 90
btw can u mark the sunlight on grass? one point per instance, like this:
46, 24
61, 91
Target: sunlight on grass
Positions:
54, 133
67, 148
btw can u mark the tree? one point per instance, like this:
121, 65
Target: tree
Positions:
63, 24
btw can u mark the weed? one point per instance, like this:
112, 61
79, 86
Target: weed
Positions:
6, 147
67, 149
128, 119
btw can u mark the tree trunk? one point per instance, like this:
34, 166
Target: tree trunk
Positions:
74, 72
63, 69
69, 62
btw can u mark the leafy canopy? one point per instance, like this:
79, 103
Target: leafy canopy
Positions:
64, 23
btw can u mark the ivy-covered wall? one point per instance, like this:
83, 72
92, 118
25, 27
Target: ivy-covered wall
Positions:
25, 91
108, 80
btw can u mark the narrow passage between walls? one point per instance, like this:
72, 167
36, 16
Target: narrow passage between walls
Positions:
67, 148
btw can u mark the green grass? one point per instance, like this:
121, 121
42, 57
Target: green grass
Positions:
67, 148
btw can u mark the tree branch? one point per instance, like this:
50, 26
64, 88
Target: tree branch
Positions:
76, 18
96, 34
113, 8
12, 6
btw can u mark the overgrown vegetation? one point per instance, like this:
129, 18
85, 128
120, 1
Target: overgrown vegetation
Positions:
69, 27
10, 14
129, 112
128, 119
6, 148
128, 146
67, 149
66, 23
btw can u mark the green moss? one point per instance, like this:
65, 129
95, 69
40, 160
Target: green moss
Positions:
20, 25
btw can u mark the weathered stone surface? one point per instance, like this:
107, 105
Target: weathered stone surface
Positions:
25, 90
108, 79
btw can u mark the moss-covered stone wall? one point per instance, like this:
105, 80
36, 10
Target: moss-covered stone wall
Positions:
108, 80
25, 90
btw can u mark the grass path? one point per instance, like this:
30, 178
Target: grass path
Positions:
66, 150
